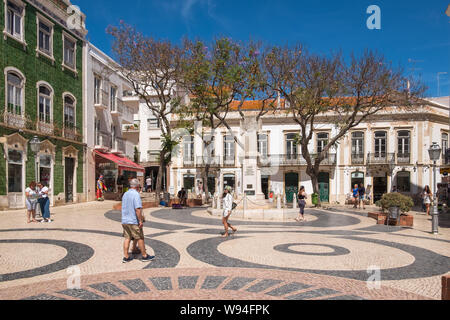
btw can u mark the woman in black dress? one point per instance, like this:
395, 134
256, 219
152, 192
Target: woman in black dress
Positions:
302, 196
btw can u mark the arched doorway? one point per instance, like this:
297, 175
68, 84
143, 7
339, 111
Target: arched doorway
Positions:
357, 178
290, 185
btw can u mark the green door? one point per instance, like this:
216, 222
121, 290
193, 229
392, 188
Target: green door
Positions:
324, 187
291, 185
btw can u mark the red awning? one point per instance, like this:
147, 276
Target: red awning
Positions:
123, 162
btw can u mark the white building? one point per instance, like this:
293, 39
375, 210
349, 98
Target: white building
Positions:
108, 110
389, 150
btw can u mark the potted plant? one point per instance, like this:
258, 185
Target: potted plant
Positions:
395, 203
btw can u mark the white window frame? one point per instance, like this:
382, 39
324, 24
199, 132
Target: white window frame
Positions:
98, 100
293, 144
45, 84
188, 148
6, 34
74, 108
320, 141
149, 123
22, 97
263, 144
64, 65
41, 19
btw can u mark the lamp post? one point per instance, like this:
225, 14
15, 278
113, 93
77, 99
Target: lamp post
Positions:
35, 144
435, 154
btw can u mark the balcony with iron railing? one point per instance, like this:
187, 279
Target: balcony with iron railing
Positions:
228, 160
212, 161
45, 127
293, 160
378, 158
101, 100
358, 158
403, 158
188, 161
102, 141
117, 108
118, 146
14, 119
71, 132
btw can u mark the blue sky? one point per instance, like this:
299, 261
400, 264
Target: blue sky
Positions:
414, 33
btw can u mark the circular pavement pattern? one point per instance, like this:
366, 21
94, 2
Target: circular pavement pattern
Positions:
259, 262
332, 250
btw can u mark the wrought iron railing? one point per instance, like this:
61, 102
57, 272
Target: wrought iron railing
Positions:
357, 158
44, 127
380, 158
212, 161
293, 160
403, 157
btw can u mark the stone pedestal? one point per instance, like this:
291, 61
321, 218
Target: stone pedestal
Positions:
251, 178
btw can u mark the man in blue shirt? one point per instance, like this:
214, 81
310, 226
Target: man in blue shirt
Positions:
133, 221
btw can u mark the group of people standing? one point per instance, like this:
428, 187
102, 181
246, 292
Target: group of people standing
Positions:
359, 196
37, 193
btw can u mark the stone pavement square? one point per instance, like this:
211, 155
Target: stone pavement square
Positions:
338, 254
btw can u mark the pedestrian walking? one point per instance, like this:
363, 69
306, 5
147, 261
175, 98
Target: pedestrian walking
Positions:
302, 196
362, 195
427, 196
101, 187
355, 196
148, 183
227, 209
31, 201
44, 202
133, 222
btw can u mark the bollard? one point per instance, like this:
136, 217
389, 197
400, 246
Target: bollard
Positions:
278, 201
245, 202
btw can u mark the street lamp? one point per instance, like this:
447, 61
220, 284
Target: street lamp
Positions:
35, 145
435, 154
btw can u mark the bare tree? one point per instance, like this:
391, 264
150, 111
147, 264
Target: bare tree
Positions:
220, 79
326, 88
152, 66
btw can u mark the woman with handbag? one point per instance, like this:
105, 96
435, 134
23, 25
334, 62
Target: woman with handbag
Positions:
227, 208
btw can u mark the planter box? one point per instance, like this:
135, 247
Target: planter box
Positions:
194, 203
405, 220
446, 287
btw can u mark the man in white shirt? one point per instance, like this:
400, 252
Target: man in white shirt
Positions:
44, 202
148, 182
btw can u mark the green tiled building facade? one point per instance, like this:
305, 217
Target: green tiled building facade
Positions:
41, 94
